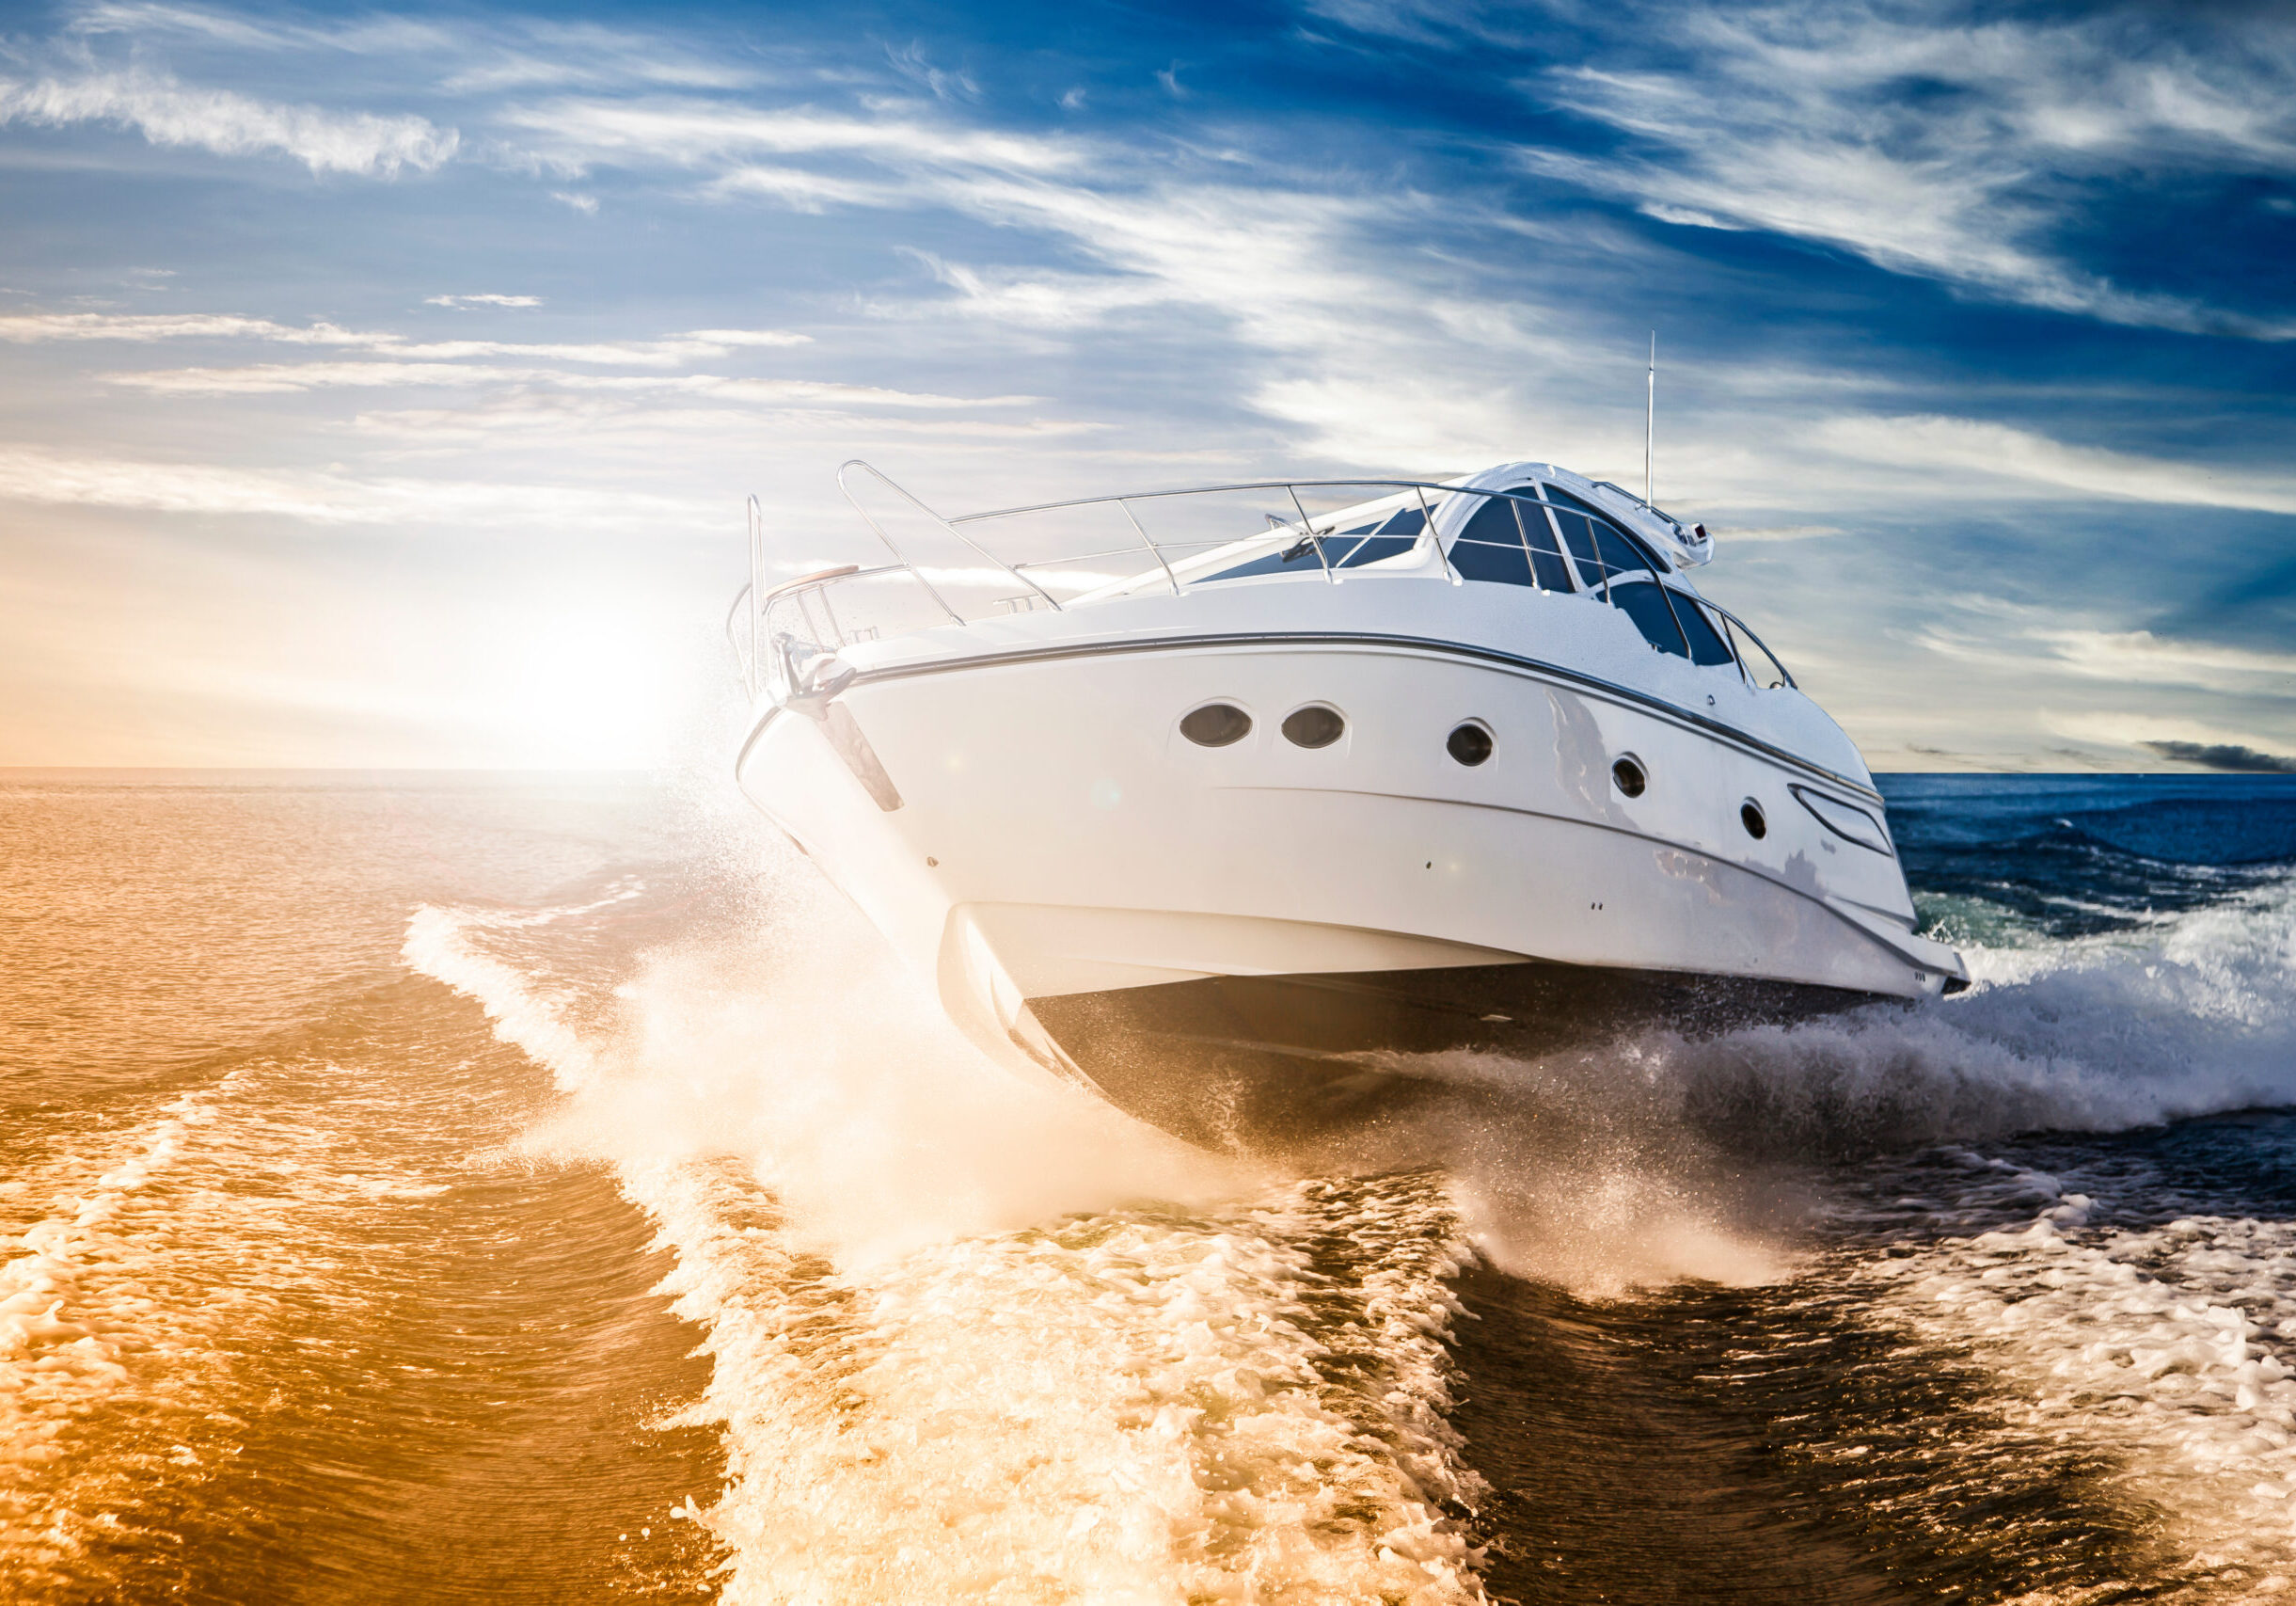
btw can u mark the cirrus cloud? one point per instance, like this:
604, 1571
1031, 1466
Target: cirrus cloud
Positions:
169, 113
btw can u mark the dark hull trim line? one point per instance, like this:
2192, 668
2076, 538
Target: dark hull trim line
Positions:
1536, 668
1277, 1062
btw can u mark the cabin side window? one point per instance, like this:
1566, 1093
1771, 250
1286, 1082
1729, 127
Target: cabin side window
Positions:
1539, 536
1490, 545
1622, 550
1706, 644
1509, 540
1644, 601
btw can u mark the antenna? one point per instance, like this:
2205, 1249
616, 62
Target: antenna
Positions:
1650, 428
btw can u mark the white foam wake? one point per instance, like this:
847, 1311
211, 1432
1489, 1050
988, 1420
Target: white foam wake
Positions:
953, 1361
2159, 1342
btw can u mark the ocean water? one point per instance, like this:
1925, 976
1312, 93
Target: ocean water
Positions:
437, 1189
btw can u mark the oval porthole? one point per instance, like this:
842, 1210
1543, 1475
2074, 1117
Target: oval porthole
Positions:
1627, 773
1469, 742
1216, 725
1749, 816
1314, 725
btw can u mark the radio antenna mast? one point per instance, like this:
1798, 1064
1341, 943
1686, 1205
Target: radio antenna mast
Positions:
1650, 428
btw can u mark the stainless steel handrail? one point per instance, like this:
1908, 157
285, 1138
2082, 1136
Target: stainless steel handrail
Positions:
888, 482
762, 600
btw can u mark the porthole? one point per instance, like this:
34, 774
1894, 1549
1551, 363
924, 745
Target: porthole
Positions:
1216, 725
1749, 816
1469, 742
1314, 725
1627, 773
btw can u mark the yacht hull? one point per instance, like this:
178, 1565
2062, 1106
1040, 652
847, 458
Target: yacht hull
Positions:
1224, 941
1266, 1061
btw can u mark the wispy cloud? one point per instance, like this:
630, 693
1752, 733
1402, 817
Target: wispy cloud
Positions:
165, 112
36, 475
575, 134
2035, 461
277, 379
1929, 143
1036, 299
30, 327
459, 302
942, 83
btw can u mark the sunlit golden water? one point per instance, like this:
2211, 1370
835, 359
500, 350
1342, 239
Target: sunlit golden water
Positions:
544, 1190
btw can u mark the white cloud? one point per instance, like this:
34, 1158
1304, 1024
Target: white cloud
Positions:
24, 328
575, 134
168, 113
36, 475
941, 84
1040, 300
2121, 728
459, 302
1794, 118
747, 337
28, 328
796, 188
1974, 446
2142, 657
284, 379
585, 204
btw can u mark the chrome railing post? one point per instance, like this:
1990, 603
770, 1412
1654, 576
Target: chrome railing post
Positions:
1427, 517
978, 550
1307, 528
1151, 544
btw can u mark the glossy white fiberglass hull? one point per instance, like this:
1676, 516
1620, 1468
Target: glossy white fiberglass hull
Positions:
1063, 863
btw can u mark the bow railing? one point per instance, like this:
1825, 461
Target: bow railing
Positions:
778, 628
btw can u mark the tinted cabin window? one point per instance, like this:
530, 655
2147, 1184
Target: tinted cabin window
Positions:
1706, 644
1602, 552
1491, 546
1373, 549
1347, 549
1648, 559
1509, 540
1645, 604
1294, 559
1539, 536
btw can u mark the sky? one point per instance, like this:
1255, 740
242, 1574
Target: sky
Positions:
381, 387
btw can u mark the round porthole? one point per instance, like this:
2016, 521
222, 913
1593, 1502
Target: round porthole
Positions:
1216, 725
1314, 725
1749, 816
1469, 742
1628, 774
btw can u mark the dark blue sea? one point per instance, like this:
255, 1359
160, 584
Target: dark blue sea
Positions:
445, 1188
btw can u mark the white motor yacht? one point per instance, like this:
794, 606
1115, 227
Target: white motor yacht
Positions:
1244, 824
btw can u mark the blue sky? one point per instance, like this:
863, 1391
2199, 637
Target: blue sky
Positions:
382, 386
